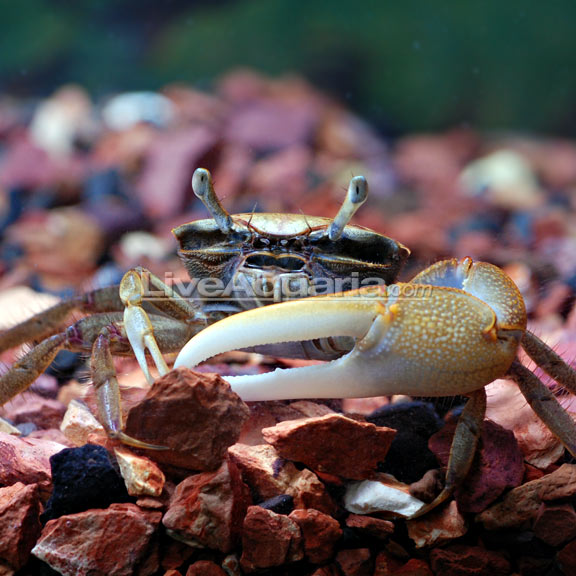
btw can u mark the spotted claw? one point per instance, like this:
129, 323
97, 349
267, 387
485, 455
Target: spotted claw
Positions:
418, 338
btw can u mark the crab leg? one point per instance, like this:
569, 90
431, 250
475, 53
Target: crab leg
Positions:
25, 370
50, 321
78, 338
549, 361
106, 386
463, 449
100, 333
107, 390
544, 403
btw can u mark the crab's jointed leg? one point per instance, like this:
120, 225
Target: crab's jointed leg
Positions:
25, 370
107, 389
138, 326
50, 321
547, 359
463, 449
546, 406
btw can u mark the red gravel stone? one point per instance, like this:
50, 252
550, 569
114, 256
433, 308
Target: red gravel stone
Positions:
205, 568
45, 386
439, 526
45, 413
507, 407
141, 476
460, 560
320, 532
272, 124
497, 467
414, 567
429, 486
330, 570
531, 473
265, 415
201, 519
364, 406
119, 540
386, 563
51, 435
355, 562
522, 504
27, 460
555, 523
19, 518
269, 539
195, 415
534, 566
310, 409
567, 558
375, 527
231, 565
167, 168
269, 475
174, 554
332, 444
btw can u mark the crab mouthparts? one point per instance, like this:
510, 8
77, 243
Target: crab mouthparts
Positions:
289, 262
294, 321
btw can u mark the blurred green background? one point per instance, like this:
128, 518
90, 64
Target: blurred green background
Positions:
405, 65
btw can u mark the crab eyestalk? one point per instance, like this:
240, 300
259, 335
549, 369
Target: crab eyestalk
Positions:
355, 197
204, 189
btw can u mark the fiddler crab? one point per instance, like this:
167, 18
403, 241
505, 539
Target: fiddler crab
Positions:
330, 286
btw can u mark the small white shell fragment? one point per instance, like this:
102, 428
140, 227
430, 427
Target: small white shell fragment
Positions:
369, 496
78, 423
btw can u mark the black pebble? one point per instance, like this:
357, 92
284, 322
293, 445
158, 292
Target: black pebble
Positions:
83, 478
409, 457
282, 504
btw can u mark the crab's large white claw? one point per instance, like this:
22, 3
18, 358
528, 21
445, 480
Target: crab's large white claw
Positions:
416, 339
350, 315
